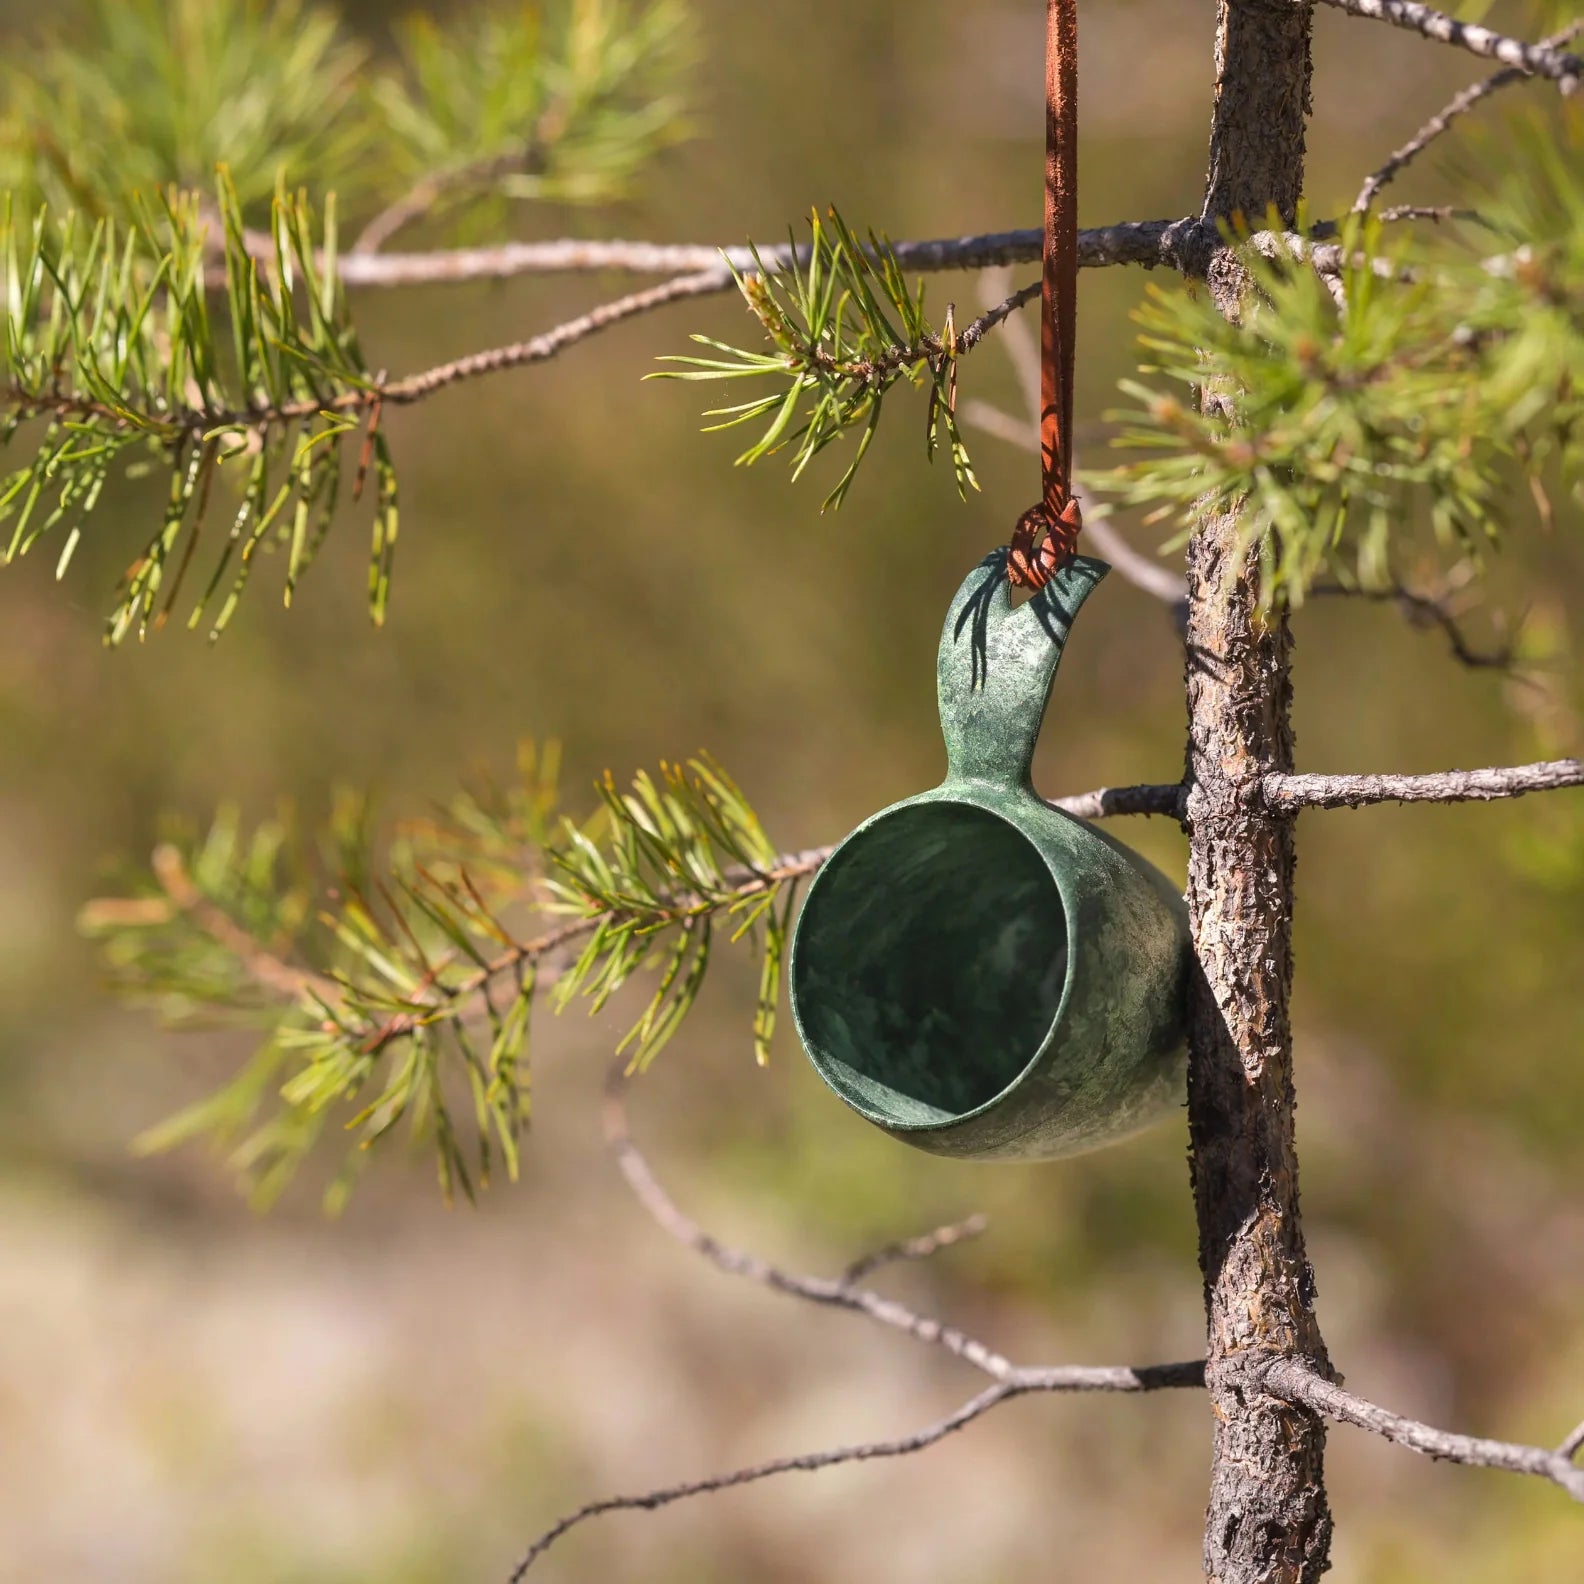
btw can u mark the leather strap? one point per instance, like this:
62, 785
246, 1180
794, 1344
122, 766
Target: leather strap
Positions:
1047, 534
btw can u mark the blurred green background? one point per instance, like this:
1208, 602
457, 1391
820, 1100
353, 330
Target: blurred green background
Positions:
407, 1394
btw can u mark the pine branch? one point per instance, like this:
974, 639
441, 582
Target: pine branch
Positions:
406, 970
1541, 60
1289, 793
111, 340
1297, 1381
505, 101
1401, 405
276, 976
566, 102
1441, 122
165, 93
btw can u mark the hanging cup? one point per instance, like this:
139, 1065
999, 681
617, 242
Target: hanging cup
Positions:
980, 974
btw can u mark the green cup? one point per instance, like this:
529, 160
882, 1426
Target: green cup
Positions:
979, 974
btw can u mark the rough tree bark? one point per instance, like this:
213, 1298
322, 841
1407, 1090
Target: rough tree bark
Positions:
1268, 1520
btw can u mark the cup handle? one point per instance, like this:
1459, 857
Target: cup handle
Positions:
997, 663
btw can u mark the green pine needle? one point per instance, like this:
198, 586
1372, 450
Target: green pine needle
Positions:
846, 329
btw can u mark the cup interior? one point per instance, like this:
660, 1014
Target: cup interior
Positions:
929, 963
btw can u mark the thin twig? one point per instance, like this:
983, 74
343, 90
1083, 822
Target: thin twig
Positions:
428, 190
1428, 610
1322, 230
825, 1291
840, 1293
1296, 1381
1541, 60
1572, 1442
808, 1462
1008, 1381
1459, 105
1285, 793
917, 1248
415, 387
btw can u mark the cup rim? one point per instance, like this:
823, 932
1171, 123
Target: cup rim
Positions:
1010, 805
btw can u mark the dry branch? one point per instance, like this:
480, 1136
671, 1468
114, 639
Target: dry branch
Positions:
1183, 244
1289, 793
916, 1248
1541, 60
1297, 1381
807, 1462
1459, 105
1429, 609
1008, 1380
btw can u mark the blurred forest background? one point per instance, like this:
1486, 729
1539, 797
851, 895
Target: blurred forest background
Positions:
189, 1391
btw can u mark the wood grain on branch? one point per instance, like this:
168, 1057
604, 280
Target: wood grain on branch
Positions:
1284, 792
1540, 60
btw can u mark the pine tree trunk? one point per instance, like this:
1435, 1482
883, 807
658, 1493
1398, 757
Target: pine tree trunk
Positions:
1268, 1520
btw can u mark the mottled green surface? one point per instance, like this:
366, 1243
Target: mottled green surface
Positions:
976, 972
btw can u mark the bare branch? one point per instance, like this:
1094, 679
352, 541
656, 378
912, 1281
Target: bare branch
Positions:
1541, 60
1184, 245
1284, 793
1459, 105
1109, 801
807, 1462
1008, 1380
1575, 1439
840, 1294
1321, 230
1000, 313
843, 1294
918, 1248
1296, 1381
